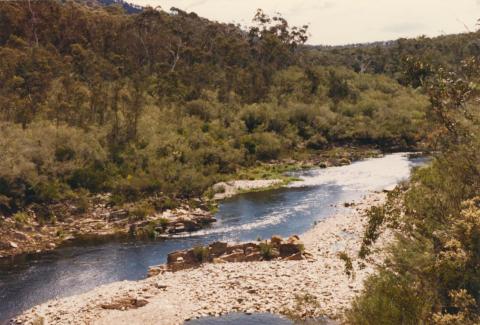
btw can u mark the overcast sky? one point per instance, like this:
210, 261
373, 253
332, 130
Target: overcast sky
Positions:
336, 22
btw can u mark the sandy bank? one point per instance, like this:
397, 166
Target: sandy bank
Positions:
317, 287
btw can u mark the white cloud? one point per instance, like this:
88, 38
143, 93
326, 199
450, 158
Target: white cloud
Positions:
345, 21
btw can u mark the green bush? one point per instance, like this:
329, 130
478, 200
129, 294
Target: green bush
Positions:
164, 203
141, 210
267, 250
376, 217
50, 191
317, 142
82, 201
389, 299
348, 263
265, 146
93, 178
253, 118
201, 253
21, 218
199, 108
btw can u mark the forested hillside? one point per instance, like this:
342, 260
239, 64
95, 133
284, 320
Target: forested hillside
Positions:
96, 99
407, 60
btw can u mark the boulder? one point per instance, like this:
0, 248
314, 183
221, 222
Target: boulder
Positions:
247, 246
276, 240
323, 165
21, 236
179, 227
295, 257
289, 249
217, 248
253, 257
173, 257
156, 270
118, 214
293, 239
344, 161
275, 253
182, 260
238, 256
217, 260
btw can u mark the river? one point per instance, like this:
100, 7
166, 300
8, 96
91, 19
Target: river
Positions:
291, 210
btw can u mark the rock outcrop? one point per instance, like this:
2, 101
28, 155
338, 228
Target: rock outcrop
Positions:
174, 222
101, 222
219, 252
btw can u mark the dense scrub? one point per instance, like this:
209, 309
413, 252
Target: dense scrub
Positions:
432, 274
409, 61
95, 99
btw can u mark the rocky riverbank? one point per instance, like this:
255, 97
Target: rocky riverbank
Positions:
31, 235
317, 286
45, 227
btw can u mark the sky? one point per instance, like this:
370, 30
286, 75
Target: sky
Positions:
337, 22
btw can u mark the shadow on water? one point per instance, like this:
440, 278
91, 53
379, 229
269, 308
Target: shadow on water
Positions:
30, 280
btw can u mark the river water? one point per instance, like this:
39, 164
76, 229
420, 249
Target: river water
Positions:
287, 211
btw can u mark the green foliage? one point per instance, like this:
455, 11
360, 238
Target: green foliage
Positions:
267, 250
301, 248
21, 218
201, 253
389, 300
82, 201
148, 231
348, 263
143, 106
267, 171
317, 142
164, 203
432, 273
163, 222
395, 58
376, 217
264, 146
141, 210
303, 303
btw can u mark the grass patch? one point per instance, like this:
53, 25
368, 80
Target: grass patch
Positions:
268, 251
21, 218
201, 253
